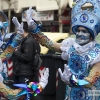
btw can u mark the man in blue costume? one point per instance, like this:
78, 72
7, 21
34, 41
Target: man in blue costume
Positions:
82, 74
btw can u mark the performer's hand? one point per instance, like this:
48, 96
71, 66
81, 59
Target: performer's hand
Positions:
19, 26
29, 14
31, 23
44, 78
66, 75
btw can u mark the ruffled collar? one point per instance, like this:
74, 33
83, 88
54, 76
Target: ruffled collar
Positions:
85, 48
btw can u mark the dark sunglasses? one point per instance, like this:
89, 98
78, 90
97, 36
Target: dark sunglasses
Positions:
84, 31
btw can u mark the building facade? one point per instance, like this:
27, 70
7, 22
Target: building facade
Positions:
52, 13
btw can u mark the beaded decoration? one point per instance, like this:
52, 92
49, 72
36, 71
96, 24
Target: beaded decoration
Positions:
44, 40
73, 82
16, 40
41, 38
7, 53
35, 87
11, 94
11, 47
93, 77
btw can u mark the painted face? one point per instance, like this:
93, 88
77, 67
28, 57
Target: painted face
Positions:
82, 36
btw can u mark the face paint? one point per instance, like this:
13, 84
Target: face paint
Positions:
82, 37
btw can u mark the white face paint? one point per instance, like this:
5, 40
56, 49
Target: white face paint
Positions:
82, 36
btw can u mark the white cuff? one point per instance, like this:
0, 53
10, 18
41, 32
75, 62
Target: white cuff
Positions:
43, 85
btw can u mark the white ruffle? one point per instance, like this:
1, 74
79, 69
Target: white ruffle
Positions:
66, 44
82, 49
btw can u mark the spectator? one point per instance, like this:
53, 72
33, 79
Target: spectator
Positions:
23, 59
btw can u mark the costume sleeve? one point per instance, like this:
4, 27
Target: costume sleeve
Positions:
27, 54
94, 74
8, 93
66, 44
7, 53
96, 60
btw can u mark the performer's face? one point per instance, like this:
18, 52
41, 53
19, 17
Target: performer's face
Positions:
82, 36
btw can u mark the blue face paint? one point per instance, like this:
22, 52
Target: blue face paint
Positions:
82, 37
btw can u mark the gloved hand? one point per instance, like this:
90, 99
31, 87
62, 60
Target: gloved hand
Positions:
44, 78
29, 14
66, 75
19, 26
31, 23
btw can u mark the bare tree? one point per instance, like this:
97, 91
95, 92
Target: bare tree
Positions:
59, 15
9, 2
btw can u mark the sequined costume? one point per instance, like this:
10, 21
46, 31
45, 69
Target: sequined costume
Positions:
80, 61
6, 50
3, 33
81, 58
10, 94
25, 91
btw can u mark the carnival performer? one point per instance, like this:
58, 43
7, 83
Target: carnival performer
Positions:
3, 32
33, 87
83, 53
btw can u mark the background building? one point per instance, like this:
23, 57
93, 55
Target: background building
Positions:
54, 14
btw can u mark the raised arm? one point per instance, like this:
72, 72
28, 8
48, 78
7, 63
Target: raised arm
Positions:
68, 78
14, 42
41, 38
94, 73
33, 88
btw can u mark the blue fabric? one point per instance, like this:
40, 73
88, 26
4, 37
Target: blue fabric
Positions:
16, 40
79, 66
